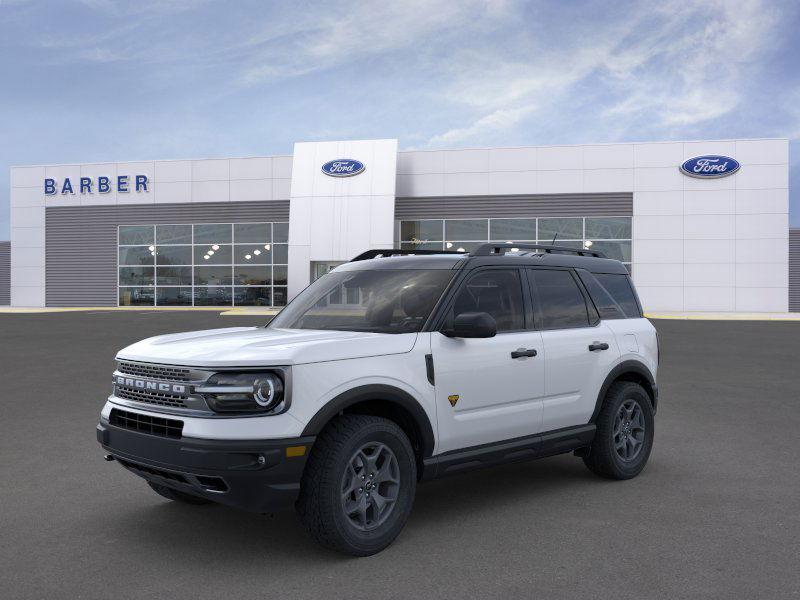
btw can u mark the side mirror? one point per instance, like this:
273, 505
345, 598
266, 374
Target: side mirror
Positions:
473, 325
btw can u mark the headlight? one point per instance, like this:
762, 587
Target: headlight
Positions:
243, 392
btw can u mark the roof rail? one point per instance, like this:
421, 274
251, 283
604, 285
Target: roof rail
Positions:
369, 254
490, 249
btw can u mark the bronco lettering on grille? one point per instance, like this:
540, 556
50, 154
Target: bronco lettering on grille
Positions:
154, 386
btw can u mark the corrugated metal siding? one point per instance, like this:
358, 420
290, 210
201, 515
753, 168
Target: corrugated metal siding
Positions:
545, 205
5, 273
82, 241
794, 270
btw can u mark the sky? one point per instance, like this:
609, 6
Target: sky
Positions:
96, 80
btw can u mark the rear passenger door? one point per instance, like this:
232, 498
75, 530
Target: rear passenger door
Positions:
579, 349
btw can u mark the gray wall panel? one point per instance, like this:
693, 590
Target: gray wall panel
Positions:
794, 270
547, 205
82, 241
5, 273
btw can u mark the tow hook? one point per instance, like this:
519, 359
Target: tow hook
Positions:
108, 457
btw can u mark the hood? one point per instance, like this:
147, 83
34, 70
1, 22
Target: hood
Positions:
257, 346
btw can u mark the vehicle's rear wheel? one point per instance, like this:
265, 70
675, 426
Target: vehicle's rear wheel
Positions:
176, 495
624, 435
359, 484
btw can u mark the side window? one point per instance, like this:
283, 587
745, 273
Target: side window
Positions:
559, 299
619, 288
606, 305
497, 292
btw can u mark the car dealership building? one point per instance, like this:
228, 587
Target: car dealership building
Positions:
701, 225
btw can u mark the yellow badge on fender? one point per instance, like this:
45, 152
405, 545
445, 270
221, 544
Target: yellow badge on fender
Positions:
453, 399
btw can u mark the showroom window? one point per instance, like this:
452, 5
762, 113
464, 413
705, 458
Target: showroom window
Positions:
209, 264
610, 235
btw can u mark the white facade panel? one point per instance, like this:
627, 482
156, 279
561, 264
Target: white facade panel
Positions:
709, 202
512, 159
608, 156
466, 161
762, 299
173, 170
762, 152
172, 192
709, 299
658, 203
251, 168
709, 275
211, 170
23, 177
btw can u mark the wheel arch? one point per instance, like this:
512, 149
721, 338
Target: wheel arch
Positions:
629, 370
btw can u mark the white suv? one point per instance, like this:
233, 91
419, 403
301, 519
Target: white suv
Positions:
394, 368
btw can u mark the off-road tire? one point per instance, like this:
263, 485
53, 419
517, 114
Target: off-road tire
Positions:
320, 504
602, 458
176, 495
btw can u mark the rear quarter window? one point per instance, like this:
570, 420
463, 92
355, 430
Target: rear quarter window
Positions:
613, 294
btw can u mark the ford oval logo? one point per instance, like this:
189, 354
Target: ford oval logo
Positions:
343, 167
710, 166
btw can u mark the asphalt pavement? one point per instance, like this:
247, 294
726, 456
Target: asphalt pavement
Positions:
716, 513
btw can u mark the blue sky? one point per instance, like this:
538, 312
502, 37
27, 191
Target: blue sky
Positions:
96, 80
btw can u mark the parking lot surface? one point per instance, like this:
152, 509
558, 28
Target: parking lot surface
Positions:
716, 514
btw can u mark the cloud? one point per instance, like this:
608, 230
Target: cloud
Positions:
500, 119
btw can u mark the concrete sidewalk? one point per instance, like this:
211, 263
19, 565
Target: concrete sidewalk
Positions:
723, 316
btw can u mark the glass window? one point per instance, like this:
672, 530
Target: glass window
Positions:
135, 235
619, 288
136, 255
559, 299
174, 296
497, 292
429, 230
279, 275
605, 304
280, 254
174, 255
212, 233
462, 246
608, 228
252, 296
512, 230
426, 246
212, 296
279, 296
174, 276
388, 301
251, 233
616, 250
466, 229
212, 275
252, 254
217, 255
173, 234
252, 275
280, 233
561, 229
136, 275
136, 296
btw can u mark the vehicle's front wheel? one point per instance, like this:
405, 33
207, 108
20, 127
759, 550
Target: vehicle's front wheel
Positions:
359, 484
175, 495
624, 435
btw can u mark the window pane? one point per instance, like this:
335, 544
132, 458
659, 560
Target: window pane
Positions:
255, 233
616, 250
212, 234
619, 287
466, 229
512, 230
280, 232
174, 296
429, 230
566, 228
495, 292
174, 275
134, 296
174, 255
212, 275
173, 234
136, 255
252, 296
608, 228
462, 246
220, 256
280, 254
427, 246
279, 275
252, 254
135, 234
577, 244
606, 305
252, 275
279, 296
212, 296
559, 299
136, 275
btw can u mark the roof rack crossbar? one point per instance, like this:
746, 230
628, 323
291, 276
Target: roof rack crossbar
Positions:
490, 249
385, 253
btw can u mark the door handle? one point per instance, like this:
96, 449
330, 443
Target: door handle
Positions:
598, 346
522, 352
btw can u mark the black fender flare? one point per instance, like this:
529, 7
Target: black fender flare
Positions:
386, 393
623, 368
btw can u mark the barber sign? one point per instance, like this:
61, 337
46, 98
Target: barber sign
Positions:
710, 166
343, 167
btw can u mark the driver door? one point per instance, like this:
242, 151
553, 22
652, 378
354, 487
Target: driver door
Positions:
483, 394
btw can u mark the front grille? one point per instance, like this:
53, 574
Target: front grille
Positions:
150, 397
162, 372
145, 470
171, 428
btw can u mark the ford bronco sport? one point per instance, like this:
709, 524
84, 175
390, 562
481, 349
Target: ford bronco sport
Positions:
395, 368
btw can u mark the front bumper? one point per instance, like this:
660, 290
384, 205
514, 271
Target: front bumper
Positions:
254, 475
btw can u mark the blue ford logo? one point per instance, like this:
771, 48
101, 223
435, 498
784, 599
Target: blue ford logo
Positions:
710, 166
343, 167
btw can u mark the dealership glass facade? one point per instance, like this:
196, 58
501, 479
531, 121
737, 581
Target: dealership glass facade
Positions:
610, 235
209, 264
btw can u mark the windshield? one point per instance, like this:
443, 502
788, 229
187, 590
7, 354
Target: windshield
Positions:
376, 301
